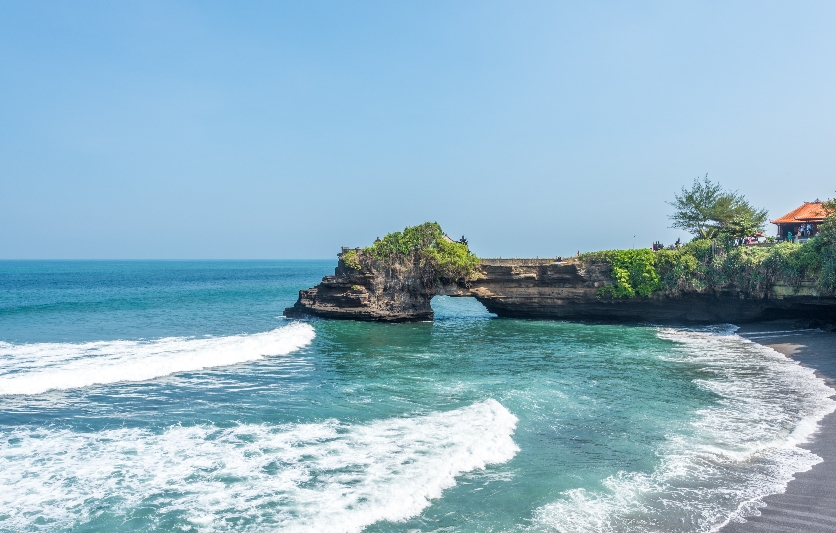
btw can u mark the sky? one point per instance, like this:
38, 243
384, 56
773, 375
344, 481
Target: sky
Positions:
260, 130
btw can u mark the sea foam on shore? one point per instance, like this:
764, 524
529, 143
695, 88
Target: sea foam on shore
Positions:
740, 449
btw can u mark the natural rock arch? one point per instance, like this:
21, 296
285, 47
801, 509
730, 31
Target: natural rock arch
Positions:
539, 288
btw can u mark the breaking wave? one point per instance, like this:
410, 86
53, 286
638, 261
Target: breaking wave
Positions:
303, 477
741, 449
40, 367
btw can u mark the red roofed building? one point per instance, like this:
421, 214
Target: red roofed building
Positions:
801, 223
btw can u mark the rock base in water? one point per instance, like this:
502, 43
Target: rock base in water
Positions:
539, 288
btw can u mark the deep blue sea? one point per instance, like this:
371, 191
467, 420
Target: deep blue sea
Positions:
174, 396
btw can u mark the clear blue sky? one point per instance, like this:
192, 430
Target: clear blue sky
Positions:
285, 130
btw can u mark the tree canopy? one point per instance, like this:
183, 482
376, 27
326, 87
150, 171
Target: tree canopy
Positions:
706, 209
426, 243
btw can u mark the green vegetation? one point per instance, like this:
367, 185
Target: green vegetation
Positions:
632, 270
351, 260
825, 246
707, 211
696, 267
702, 264
750, 268
424, 245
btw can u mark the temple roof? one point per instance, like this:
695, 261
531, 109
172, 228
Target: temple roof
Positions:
809, 212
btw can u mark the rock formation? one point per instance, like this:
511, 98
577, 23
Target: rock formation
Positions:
535, 288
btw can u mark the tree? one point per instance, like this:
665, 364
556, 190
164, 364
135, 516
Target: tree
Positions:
426, 244
738, 228
828, 227
706, 209
825, 244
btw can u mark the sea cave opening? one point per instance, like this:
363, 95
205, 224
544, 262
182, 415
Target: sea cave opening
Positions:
458, 307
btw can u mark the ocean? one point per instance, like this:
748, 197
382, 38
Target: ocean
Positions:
174, 396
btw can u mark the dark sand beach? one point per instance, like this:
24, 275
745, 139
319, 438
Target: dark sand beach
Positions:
809, 503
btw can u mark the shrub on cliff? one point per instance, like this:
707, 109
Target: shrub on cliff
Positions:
682, 270
352, 260
632, 271
425, 244
825, 247
699, 266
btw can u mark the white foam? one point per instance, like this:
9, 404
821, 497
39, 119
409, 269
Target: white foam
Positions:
39, 367
299, 478
744, 447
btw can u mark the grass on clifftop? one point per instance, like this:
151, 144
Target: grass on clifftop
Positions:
425, 244
694, 268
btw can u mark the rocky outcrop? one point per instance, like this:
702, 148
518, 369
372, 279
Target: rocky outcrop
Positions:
541, 288
570, 291
379, 292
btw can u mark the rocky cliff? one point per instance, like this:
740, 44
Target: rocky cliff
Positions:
378, 292
534, 288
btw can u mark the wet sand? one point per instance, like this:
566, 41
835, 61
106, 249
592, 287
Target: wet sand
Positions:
809, 503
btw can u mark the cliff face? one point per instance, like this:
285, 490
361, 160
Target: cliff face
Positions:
528, 288
569, 291
384, 293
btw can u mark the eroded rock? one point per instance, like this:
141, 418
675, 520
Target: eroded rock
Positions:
542, 288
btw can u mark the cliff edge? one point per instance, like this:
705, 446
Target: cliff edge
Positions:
543, 288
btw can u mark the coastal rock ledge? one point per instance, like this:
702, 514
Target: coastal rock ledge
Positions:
543, 288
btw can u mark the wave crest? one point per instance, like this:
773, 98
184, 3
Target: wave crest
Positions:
303, 477
739, 450
39, 367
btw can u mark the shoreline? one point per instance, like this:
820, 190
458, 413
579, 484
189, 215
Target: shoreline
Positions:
809, 501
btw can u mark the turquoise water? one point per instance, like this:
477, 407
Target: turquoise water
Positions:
173, 396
